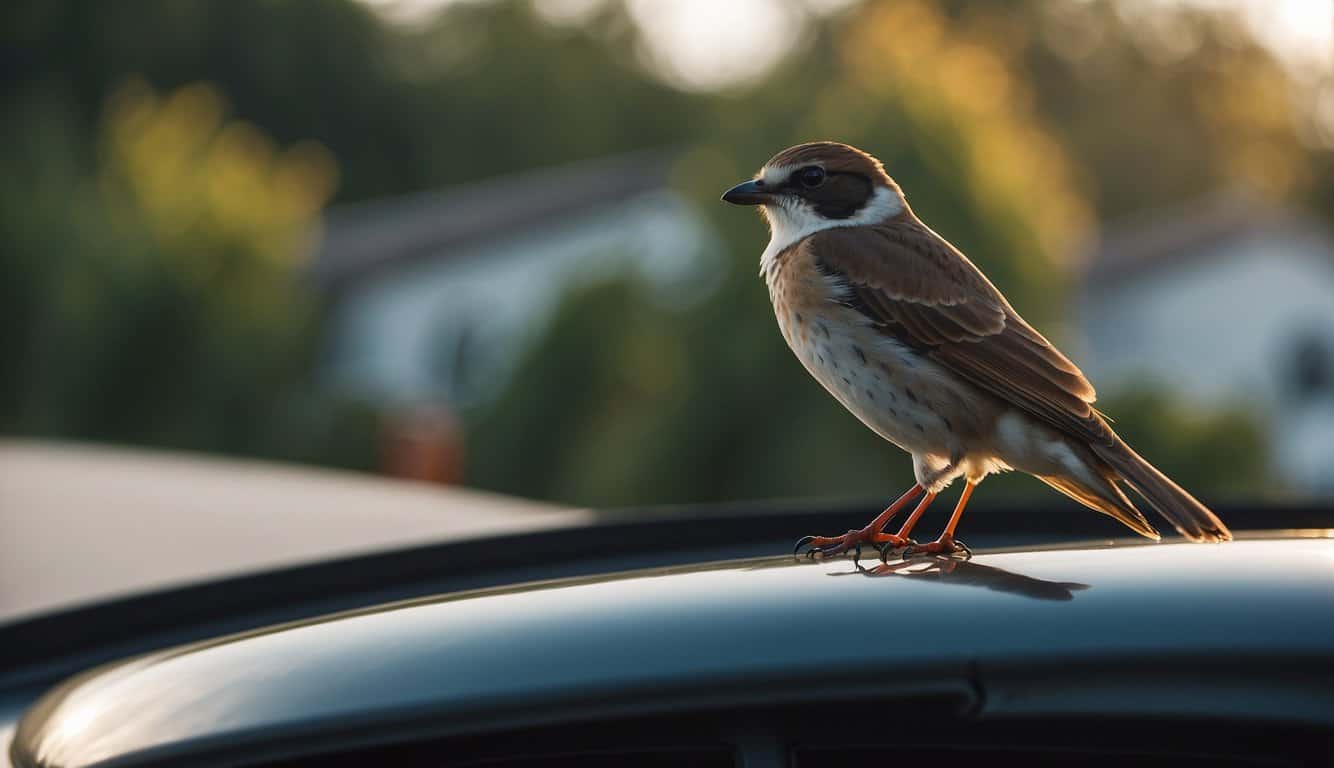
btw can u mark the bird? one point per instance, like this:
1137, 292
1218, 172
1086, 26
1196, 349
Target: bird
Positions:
904, 331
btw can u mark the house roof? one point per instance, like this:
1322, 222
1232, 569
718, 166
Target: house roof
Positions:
137, 520
1169, 238
362, 238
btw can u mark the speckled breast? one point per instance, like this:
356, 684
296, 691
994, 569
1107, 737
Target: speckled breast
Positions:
896, 393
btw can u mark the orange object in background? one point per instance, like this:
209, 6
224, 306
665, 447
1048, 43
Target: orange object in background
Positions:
423, 444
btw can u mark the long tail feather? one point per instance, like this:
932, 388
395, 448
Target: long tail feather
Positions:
1110, 501
1191, 518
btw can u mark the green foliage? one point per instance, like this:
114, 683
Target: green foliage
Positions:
149, 295
1213, 453
482, 89
154, 298
1162, 104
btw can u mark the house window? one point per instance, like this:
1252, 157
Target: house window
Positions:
453, 359
1312, 368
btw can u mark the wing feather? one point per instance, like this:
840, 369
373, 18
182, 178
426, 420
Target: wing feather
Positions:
916, 287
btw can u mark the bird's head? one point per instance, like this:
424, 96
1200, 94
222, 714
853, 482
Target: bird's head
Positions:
818, 185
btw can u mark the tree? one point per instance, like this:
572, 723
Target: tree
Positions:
156, 298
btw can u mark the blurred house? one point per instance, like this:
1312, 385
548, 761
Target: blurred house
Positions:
1229, 301
436, 296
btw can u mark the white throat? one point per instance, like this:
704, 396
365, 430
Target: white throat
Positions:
794, 221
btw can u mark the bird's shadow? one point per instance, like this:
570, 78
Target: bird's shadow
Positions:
965, 573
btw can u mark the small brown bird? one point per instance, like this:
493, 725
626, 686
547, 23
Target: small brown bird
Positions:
916, 342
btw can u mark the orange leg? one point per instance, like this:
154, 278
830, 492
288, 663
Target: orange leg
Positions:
916, 515
946, 544
872, 534
902, 536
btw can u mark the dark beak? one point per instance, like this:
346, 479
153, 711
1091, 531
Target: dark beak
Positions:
748, 193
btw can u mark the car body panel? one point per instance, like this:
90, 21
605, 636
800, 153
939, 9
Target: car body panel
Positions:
989, 631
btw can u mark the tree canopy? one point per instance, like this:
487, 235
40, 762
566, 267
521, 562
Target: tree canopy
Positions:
163, 158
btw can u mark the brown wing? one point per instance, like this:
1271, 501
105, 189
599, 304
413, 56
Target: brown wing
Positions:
920, 290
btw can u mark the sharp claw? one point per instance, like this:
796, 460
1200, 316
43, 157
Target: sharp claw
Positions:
838, 546
889, 549
803, 541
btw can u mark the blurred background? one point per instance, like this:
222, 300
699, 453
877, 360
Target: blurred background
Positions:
479, 243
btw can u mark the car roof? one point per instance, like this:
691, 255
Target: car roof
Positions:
1260, 607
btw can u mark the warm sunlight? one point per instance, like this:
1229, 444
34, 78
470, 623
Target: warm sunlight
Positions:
667, 382
707, 44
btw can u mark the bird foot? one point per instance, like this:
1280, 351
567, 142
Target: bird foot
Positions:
947, 546
821, 547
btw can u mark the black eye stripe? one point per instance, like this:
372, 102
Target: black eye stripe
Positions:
828, 175
837, 200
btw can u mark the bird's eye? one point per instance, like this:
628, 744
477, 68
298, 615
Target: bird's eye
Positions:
811, 177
